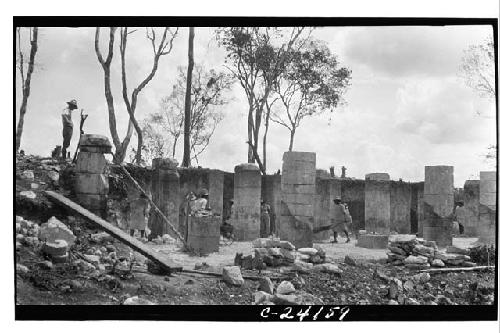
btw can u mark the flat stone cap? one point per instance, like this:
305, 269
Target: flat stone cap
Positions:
94, 140
165, 163
377, 176
246, 167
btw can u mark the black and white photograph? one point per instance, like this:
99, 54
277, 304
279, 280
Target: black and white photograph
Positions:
306, 169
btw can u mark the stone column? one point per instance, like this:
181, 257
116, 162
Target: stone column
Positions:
438, 204
165, 193
470, 218
247, 194
487, 207
327, 189
298, 191
377, 203
400, 207
91, 174
215, 191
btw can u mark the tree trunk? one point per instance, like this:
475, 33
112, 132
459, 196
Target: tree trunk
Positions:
251, 158
26, 90
292, 135
174, 146
186, 161
264, 139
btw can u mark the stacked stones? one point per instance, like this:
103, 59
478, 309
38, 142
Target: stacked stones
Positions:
377, 211
91, 182
438, 204
487, 207
298, 190
271, 252
165, 193
26, 233
247, 194
418, 253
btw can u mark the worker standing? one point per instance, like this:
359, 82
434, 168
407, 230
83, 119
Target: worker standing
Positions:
139, 214
67, 125
265, 219
341, 219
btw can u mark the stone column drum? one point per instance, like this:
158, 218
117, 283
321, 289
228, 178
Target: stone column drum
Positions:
91, 174
438, 204
247, 194
165, 194
298, 193
487, 207
377, 204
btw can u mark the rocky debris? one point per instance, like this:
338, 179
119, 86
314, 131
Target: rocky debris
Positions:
416, 253
266, 285
392, 302
28, 194
349, 261
327, 268
437, 263
136, 300
28, 175
101, 237
232, 275
307, 251
26, 233
483, 254
261, 297
54, 230
285, 288
53, 176
57, 248
280, 299
22, 269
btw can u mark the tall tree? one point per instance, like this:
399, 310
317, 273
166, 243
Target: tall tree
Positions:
25, 80
186, 160
208, 91
312, 83
256, 56
163, 48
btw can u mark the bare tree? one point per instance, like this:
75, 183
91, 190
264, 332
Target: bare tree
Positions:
207, 96
478, 68
311, 84
25, 80
186, 160
256, 57
163, 48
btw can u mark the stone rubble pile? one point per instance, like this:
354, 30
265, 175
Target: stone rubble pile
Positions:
26, 233
273, 252
284, 294
417, 253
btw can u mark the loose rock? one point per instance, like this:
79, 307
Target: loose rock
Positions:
285, 288
266, 285
232, 275
136, 300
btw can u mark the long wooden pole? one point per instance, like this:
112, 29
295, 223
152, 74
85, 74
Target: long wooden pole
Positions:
156, 208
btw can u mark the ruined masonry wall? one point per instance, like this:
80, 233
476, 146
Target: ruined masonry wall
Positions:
487, 207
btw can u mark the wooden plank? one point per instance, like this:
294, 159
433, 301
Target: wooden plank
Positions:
457, 269
117, 233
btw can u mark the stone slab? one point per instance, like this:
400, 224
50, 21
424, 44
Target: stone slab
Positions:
438, 179
372, 241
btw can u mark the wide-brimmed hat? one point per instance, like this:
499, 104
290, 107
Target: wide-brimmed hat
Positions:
337, 199
203, 192
72, 103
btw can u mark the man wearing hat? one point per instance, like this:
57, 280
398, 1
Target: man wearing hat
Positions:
341, 219
67, 125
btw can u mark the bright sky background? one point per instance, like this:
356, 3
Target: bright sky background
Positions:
406, 107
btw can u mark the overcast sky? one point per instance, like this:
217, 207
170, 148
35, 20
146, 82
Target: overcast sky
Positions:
406, 107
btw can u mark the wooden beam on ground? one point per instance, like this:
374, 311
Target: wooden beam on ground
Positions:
117, 233
457, 269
